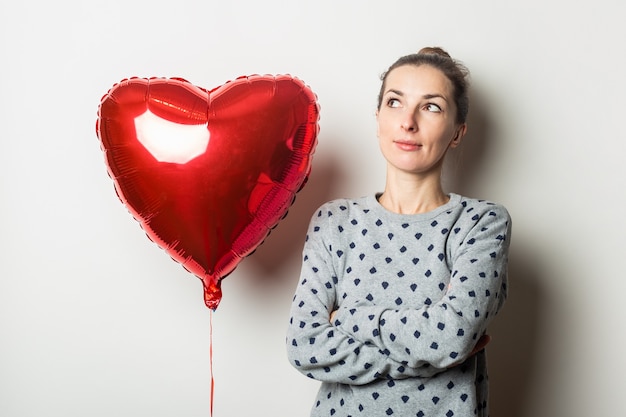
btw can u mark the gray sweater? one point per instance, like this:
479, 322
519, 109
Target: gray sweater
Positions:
413, 292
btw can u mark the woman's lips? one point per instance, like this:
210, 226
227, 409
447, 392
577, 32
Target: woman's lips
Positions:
407, 145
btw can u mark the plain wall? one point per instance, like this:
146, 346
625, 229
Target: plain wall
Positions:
96, 320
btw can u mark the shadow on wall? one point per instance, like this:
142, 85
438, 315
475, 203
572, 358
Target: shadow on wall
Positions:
465, 164
512, 351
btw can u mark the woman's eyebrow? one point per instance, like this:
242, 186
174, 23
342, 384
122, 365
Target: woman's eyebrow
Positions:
429, 96
396, 92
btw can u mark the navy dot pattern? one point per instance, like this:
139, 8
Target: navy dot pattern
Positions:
413, 294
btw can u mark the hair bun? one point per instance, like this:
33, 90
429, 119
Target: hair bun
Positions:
434, 50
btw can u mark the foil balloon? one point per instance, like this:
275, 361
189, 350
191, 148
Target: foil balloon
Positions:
208, 173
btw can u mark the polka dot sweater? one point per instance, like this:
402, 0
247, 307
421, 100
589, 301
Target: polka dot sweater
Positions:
413, 294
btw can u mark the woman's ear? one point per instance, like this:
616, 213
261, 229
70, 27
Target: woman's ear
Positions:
458, 136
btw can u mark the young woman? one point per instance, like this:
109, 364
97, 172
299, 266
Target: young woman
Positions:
397, 288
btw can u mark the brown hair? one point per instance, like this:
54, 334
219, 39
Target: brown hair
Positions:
454, 70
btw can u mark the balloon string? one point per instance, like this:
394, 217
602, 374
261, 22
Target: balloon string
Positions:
211, 358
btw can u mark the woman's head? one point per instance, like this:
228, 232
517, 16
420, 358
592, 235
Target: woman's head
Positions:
437, 58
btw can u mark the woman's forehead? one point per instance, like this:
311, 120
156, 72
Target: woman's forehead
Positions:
424, 79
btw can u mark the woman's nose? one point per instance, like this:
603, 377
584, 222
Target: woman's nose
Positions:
409, 123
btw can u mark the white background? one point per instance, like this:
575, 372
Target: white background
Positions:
95, 320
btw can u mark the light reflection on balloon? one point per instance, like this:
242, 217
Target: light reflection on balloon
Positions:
169, 141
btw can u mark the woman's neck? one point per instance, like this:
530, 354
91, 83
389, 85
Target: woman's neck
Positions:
412, 195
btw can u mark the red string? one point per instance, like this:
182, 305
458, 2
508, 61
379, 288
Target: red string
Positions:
211, 358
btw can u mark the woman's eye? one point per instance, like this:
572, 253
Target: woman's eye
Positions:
393, 102
433, 108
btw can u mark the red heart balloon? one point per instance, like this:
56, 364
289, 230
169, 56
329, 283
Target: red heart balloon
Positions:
208, 174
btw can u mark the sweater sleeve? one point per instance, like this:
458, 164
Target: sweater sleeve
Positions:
442, 334
320, 350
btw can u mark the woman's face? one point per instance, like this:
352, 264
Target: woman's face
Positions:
416, 119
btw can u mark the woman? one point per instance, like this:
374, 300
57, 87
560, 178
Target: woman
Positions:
397, 289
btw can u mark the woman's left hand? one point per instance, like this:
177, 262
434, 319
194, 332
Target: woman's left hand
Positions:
332, 317
480, 345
